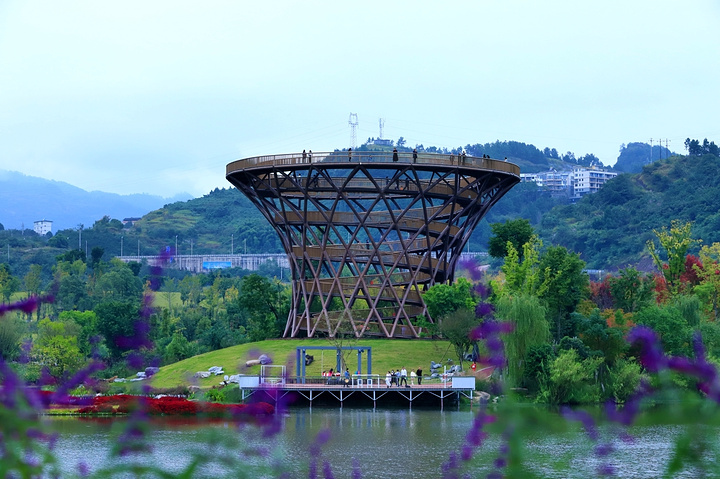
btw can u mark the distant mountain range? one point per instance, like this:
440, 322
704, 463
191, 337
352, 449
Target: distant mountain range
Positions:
25, 199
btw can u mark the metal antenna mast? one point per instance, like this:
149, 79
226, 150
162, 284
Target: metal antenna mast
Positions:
381, 122
353, 122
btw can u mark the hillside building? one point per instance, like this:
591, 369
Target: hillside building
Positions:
42, 227
589, 180
575, 184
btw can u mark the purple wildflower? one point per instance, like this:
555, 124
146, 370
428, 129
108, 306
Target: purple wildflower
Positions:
327, 470
320, 440
584, 418
651, 356
27, 305
484, 309
606, 469
356, 472
483, 291
474, 268
602, 450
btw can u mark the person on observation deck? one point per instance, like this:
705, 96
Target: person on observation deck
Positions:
403, 377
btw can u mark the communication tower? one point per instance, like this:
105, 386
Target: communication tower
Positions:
353, 122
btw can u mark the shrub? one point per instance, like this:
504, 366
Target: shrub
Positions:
570, 380
624, 378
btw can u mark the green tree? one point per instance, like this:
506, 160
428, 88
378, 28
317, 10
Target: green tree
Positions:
631, 290
9, 284
598, 336
190, 289
571, 380
565, 284
88, 324
56, 347
72, 294
523, 276
118, 285
675, 242
267, 305
33, 279
444, 299
117, 322
11, 331
33, 285
95, 257
179, 348
668, 322
709, 274
516, 232
456, 328
531, 329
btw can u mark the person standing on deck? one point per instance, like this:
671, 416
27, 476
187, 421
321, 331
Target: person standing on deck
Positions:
403, 376
419, 376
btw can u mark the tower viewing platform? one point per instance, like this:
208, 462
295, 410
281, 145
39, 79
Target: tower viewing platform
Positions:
366, 233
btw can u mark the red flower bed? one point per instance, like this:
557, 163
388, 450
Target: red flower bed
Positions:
123, 403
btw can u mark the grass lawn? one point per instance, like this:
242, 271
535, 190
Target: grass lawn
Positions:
386, 354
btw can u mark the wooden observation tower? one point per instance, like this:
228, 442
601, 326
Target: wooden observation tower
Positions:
367, 233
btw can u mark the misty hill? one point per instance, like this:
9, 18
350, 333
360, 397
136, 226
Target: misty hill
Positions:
26, 199
610, 228
634, 156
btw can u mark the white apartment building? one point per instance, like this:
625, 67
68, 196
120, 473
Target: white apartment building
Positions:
557, 182
576, 183
589, 180
42, 227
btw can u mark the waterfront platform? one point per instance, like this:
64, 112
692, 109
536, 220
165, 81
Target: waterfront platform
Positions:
356, 391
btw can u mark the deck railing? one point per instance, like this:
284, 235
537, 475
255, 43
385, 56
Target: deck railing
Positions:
291, 159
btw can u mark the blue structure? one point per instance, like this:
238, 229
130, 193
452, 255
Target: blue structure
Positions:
300, 352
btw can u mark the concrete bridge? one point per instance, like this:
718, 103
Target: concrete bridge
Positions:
199, 263
202, 263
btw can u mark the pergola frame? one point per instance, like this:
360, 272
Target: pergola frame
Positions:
300, 352
367, 235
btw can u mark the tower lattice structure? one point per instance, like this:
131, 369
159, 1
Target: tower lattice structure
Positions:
367, 234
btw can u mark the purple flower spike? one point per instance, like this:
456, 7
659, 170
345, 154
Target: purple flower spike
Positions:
606, 470
484, 309
327, 470
475, 269
483, 291
603, 450
651, 356
584, 418
356, 472
322, 438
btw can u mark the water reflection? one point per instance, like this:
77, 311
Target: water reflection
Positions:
386, 443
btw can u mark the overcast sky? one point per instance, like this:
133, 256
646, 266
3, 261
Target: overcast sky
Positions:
158, 96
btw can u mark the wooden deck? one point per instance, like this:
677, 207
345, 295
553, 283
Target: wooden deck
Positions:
279, 389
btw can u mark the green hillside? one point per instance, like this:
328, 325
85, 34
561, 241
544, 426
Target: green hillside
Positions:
386, 355
610, 228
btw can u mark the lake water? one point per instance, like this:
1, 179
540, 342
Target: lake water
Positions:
396, 443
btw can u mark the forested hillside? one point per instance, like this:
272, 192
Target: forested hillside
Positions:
610, 228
